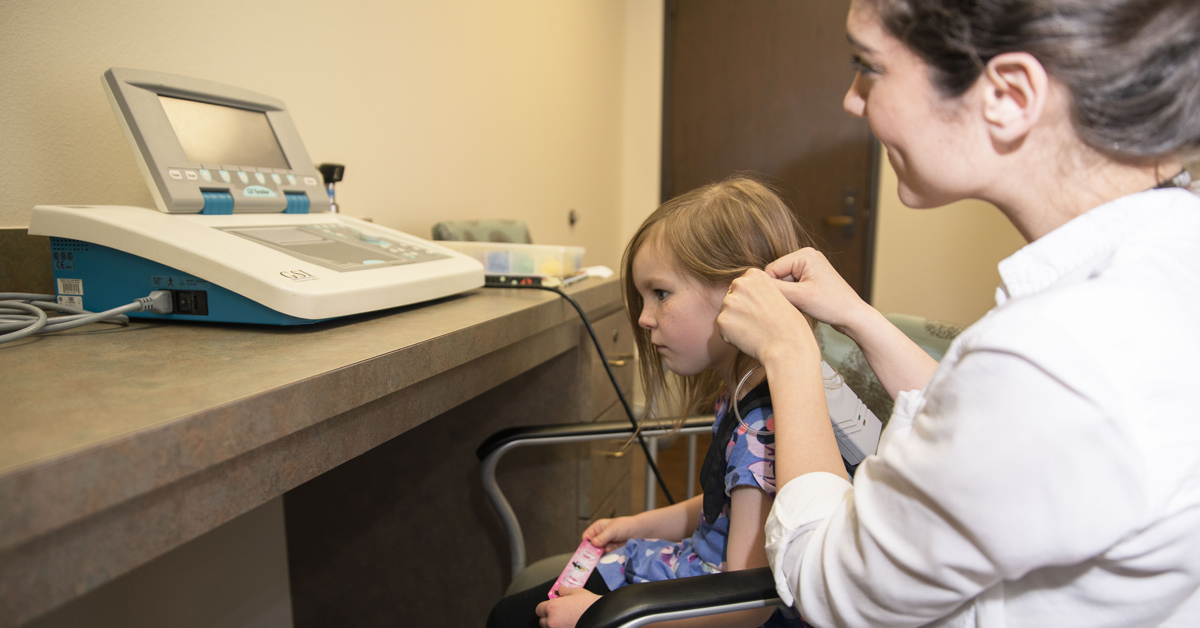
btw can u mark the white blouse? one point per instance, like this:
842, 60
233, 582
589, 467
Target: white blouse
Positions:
1049, 472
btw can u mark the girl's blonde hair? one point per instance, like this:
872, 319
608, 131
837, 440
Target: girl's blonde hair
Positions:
713, 233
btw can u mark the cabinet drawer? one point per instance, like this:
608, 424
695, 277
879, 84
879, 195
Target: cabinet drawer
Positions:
606, 481
616, 337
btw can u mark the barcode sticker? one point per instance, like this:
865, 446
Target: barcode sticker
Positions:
71, 301
70, 286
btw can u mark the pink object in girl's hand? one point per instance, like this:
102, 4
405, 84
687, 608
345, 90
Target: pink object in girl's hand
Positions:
578, 568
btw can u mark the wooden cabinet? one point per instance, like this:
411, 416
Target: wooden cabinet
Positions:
605, 474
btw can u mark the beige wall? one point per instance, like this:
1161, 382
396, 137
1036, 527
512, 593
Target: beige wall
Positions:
938, 263
439, 108
641, 156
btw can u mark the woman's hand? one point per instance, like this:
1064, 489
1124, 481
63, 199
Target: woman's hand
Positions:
816, 289
811, 284
611, 533
759, 320
564, 611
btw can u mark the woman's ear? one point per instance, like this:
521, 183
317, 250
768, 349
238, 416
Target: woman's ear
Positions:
1016, 89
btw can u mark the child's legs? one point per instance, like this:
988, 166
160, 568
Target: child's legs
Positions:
519, 610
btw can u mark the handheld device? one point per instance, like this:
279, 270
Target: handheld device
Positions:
244, 231
857, 428
581, 565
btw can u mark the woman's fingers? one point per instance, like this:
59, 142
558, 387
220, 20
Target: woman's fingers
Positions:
755, 316
791, 267
811, 284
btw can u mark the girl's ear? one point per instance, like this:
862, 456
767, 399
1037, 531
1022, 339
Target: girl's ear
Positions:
1016, 89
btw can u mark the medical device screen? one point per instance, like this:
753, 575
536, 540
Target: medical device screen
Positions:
216, 134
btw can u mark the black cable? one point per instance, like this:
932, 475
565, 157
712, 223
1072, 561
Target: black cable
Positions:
611, 377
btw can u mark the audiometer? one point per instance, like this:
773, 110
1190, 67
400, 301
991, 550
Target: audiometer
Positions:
243, 230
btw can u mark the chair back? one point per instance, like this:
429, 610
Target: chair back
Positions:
512, 231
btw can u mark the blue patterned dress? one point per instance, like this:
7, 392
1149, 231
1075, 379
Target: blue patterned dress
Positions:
749, 461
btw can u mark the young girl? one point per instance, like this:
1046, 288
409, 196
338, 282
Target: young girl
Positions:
677, 269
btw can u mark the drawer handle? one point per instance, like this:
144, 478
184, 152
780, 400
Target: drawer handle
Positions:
620, 359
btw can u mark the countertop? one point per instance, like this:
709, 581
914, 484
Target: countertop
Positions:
123, 442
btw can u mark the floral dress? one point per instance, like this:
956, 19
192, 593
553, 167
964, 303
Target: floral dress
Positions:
746, 460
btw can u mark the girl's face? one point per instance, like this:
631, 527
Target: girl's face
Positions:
680, 312
928, 137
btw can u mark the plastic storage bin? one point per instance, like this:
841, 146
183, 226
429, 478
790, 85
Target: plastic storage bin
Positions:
535, 260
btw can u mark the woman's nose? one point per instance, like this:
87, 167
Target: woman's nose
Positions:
854, 103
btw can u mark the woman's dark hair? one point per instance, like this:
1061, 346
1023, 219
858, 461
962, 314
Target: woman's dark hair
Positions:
1132, 66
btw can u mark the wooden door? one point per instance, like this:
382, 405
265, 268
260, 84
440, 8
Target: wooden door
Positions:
756, 87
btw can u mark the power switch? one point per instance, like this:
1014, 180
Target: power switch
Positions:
193, 302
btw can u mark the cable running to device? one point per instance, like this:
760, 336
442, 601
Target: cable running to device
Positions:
612, 378
24, 314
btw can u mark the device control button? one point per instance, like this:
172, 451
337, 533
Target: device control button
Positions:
310, 180
191, 175
206, 175
262, 178
291, 179
175, 174
245, 178
276, 178
373, 261
369, 238
225, 176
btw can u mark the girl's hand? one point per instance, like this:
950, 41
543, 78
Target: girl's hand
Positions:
610, 533
565, 610
816, 289
759, 320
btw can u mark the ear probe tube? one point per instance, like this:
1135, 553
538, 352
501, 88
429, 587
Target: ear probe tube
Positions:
332, 173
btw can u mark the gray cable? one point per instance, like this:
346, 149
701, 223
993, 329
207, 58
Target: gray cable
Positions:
27, 328
25, 312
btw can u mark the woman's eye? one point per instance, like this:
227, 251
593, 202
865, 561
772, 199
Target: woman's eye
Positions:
862, 66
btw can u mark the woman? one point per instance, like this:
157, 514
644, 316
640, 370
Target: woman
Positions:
1047, 473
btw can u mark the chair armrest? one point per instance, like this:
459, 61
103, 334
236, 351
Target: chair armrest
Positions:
640, 604
576, 432
496, 445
